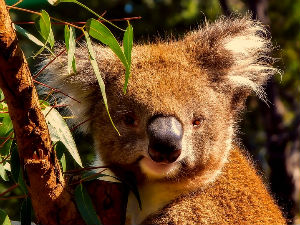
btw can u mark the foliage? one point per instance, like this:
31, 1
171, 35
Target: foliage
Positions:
161, 17
61, 136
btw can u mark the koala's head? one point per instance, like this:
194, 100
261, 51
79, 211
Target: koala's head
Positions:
178, 115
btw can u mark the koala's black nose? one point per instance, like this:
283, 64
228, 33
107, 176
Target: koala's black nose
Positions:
165, 136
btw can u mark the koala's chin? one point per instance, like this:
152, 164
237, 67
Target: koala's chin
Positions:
154, 170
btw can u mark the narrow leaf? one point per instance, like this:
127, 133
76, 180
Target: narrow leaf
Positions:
128, 43
91, 11
100, 32
67, 36
43, 25
60, 153
127, 75
4, 219
59, 131
3, 173
98, 75
15, 162
26, 209
53, 2
85, 206
71, 46
28, 35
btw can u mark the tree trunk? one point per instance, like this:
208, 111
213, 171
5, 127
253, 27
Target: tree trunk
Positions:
51, 201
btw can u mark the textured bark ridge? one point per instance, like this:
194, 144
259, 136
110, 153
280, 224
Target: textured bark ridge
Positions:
53, 203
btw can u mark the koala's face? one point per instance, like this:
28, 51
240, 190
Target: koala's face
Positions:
172, 120
177, 118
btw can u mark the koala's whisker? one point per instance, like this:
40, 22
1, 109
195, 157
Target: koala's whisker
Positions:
83, 122
85, 169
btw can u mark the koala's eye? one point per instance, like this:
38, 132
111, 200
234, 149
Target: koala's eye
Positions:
197, 122
130, 120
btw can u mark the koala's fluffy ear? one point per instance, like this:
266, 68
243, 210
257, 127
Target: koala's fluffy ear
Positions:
234, 52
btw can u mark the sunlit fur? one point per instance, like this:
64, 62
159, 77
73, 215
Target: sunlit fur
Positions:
207, 74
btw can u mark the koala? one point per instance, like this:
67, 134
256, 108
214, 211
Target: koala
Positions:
178, 122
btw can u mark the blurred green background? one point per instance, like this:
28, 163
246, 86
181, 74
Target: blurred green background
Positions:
269, 133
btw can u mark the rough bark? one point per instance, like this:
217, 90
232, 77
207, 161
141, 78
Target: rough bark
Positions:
51, 201
51, 197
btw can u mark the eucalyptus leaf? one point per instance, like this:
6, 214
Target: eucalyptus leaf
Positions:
85, 206
43, 25
6, 129
127, 45
3, 173
100, 32
15, 162
59, 131
87, 8
28, 35
98, 75
71, 46
4, 219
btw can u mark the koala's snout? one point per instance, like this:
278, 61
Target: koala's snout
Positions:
165, 137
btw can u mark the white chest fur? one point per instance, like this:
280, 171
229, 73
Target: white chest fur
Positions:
154, 197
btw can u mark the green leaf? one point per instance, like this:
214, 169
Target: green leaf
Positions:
53, 2
127, 45
63, 162
1, 95
43, 25
85, 206
98, 75
67, 36
91, 11
3, 173
26, 209
59, 131
15, 162
100, 32
28, 35
127, 75
71, 46
6, 127
60, 154
4, 219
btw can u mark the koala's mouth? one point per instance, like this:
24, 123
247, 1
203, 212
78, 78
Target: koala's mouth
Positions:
158, 169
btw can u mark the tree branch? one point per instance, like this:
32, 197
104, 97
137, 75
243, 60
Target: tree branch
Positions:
44, 178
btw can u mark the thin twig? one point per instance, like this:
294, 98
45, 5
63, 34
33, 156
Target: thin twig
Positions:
13, 197
56, 90
6, 157
84, 169
9, 136
82, 22
38, 13
9, 189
